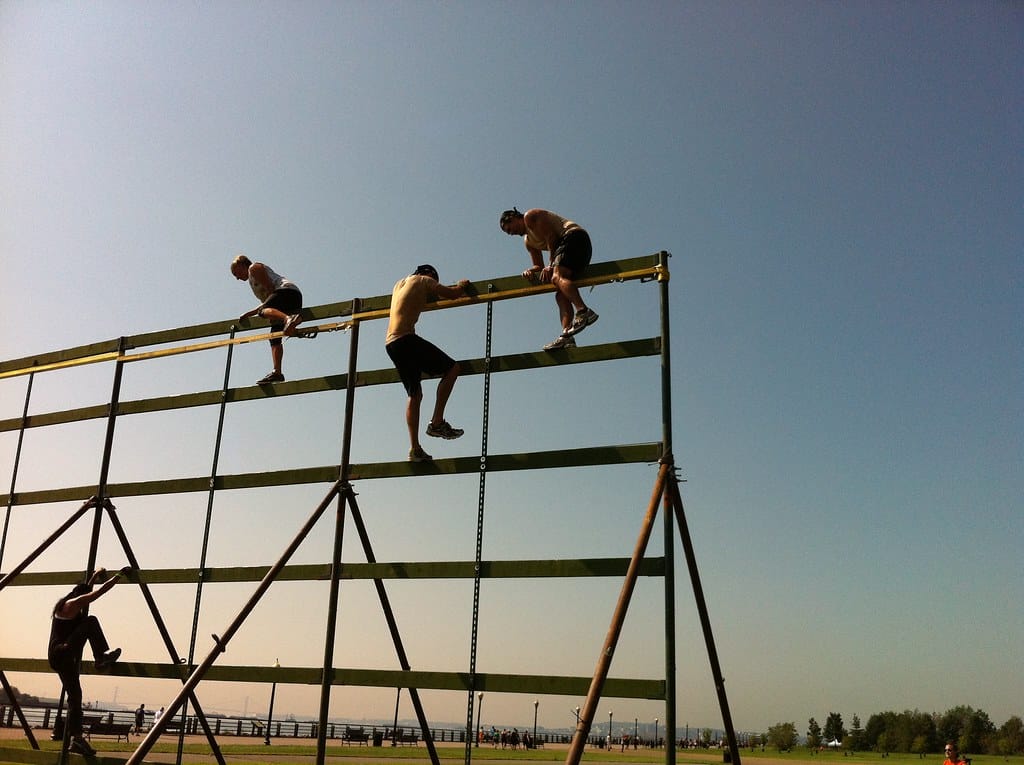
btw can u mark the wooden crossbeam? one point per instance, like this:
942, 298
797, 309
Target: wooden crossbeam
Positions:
625, 688
509, 363
630, 269
584, 457
313, 572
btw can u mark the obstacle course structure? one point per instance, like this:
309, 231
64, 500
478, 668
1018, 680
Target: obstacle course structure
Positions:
98, 502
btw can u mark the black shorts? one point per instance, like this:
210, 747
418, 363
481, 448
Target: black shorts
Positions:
573, 251
415, 358
287, 302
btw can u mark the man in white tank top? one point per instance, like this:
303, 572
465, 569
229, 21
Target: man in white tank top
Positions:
281, 302
569, 248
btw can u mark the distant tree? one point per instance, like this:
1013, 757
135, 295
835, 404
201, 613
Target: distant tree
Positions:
813, 734
705, 737
1009, 739
782, 736
970, 728
913, 726
877, 725
883, 743
23, 698
919, 746
855, 739
834, 730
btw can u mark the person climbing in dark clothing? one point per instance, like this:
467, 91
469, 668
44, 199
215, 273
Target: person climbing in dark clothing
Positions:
71, 627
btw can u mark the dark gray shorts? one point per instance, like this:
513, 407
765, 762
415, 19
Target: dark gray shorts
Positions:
415, 358
573, 251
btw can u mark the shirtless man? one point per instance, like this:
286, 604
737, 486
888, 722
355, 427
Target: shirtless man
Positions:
415, 357
568, 245
280, 304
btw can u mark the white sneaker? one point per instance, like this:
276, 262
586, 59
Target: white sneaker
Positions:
291, 324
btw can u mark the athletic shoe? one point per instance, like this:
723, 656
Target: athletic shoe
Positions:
273, 377
80, 746
291, 324
418, 455
560, 342
108, 658
583, 319
443, 430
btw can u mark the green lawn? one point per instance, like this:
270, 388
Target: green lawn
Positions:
288, 754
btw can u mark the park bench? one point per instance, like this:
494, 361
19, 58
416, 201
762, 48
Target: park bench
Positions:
409, 737
355, 735
97, 726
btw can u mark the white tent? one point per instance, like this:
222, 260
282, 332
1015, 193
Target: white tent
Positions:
833, 744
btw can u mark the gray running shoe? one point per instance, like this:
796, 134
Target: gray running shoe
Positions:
560, 342
583, 319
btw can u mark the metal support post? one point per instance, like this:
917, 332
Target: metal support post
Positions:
618, 619
327, 676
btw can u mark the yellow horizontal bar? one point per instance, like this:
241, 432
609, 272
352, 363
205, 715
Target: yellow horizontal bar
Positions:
59, 365
656, 271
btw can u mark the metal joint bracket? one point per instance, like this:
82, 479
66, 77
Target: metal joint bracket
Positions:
221, 646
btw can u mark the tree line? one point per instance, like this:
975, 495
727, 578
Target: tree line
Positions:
911, 732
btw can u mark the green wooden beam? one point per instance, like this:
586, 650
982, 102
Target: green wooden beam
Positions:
597, 272
625, 688
588, 456
493, 569
339, 382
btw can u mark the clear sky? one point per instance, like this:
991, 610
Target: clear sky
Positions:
840, 186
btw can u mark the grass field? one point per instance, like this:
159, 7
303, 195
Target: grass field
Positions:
15, 750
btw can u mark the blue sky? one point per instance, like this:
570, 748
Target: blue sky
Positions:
839, 186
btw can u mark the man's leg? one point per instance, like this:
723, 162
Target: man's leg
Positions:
277, 356
412, 419
444, 390
565, 309
567, 291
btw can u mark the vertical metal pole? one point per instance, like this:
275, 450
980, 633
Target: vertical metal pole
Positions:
394, 729
669, 532
479, 529
327, 676
270, 712
222, 410
14, 470
108, 445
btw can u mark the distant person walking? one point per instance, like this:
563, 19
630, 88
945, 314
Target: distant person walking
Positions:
569, 248
140, 719
281, 303
415, 357
71, 627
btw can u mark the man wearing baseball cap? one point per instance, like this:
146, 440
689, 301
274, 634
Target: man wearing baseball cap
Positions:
415, 358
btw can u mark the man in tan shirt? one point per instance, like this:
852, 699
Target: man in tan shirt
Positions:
415, 357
